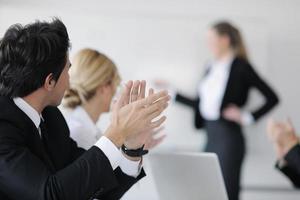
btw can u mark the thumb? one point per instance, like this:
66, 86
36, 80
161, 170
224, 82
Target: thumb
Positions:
125, 95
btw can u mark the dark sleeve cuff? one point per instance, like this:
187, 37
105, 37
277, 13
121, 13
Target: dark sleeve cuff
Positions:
291, 174
292, 168
293, 157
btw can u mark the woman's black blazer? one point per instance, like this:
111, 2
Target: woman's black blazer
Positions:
241, 79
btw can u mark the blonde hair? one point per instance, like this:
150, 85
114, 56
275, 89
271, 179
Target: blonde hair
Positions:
90, 69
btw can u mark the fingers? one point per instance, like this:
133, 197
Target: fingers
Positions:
153, 111
275, 127
227, 111
151, 92
155, 114
232, 113
153, 98
157, 131
158, 122
135, 91
158, 106
142, 91
124, 98
129, 86
158, 141
228, 114
231, 110
153, 142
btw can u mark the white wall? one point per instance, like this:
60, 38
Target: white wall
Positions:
166, 39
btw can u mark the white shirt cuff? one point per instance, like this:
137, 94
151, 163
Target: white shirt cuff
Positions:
172, 92
282, 163
116, 158
110, 150
247, 118
129, 167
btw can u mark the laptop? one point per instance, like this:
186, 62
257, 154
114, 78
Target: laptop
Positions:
187, 176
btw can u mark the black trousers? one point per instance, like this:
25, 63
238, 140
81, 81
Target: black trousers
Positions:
226, 140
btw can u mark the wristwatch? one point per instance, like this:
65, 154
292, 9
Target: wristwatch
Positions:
134, 152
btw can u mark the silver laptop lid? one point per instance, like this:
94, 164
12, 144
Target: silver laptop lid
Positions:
188, 176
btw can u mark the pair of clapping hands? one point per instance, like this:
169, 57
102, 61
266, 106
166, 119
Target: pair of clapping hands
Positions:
283, 136
136, 118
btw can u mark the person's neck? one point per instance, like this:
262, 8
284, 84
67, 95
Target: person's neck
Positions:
35, 101
93, 110
225, 56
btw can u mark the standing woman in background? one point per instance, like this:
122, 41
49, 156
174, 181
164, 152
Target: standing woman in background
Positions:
222, 93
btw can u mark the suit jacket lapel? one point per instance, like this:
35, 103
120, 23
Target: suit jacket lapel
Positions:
230, 81
12, 113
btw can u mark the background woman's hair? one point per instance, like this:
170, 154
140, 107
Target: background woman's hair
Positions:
90, 69
224, 28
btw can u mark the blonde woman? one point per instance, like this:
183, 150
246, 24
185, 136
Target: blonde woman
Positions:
94, 79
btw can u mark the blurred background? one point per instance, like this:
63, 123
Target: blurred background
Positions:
166, 39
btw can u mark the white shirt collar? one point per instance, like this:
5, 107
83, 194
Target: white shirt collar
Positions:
226, 62
80, 114
28, 110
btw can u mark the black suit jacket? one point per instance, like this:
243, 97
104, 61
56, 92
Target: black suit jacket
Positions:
65, 172
242, 78
292, 169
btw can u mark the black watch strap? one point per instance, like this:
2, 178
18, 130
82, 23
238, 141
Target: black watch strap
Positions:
134, 152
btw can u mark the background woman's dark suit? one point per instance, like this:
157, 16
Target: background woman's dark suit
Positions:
225, 138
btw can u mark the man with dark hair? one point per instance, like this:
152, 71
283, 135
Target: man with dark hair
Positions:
38, 159
48, 43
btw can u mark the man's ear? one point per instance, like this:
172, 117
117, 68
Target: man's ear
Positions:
49, 83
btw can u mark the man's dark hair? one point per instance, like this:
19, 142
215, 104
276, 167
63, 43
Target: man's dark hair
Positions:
28, 54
